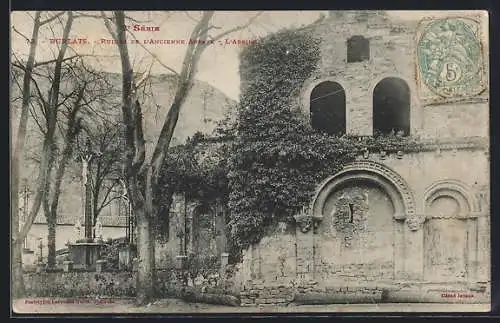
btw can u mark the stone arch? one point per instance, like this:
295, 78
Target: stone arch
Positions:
327, 107
452, 189
311, 83
448, 231
415, 107
391, 106
203, 221
387, 179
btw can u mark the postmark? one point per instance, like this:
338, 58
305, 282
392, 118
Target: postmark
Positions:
450, 58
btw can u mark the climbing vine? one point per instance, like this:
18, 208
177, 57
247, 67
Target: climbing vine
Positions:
272, 162
277, 159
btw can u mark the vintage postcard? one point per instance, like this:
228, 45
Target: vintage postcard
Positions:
250, 161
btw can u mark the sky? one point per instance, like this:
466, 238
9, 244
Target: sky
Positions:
219, 63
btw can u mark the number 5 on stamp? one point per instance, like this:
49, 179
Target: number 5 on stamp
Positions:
450, 58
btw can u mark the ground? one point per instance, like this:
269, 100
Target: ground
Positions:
60, 306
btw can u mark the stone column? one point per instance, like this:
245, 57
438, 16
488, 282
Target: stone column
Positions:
472, 252
305, 248
414, 247
483, 273
179, 204
255, 259
224, 259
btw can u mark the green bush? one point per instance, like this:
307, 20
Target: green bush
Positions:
110, 253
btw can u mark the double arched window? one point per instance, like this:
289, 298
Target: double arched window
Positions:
390, 104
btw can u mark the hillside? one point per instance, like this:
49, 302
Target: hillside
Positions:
204, 107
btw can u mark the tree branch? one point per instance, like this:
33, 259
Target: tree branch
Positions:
105, 202
154, 56
108, 26
55, 60
46, 21
248, 23
21, 34
189, 67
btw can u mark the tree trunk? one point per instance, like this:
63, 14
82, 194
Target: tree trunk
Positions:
16, 160
18, 289
145, 249
51, 240
49, 214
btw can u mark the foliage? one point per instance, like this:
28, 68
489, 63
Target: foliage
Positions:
204, 265
198, 168
110, 253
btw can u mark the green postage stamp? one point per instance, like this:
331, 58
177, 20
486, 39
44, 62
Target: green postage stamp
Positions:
450, 58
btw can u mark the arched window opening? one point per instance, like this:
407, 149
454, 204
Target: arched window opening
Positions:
203, 230
391, 107
358, 49
328, 105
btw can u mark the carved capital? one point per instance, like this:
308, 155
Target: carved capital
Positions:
415, 221
316, 222
304, 222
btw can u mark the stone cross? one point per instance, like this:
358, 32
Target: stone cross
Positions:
86, 157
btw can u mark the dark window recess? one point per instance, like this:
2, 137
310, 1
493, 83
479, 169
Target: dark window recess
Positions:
351, 213
358, 49
328, 108
391, 107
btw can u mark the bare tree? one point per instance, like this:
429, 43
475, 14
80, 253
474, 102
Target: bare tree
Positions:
87, 90
141, 175
56, 108
106, 171
19, 234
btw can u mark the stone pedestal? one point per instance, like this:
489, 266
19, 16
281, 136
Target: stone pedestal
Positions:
181, 262
40, 267
85, 254
126, 253
100, 265
68, 266
29, 256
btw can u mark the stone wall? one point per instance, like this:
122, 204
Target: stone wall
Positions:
421, 196
392, 54
170, 283
80, 284
274, 258
266, 293
189, 221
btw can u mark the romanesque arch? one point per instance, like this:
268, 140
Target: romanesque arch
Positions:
361, 210
454, 191
382, 176
203, 230
449, 232
391, 106
328, 108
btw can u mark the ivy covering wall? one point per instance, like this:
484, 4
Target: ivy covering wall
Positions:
272, 164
